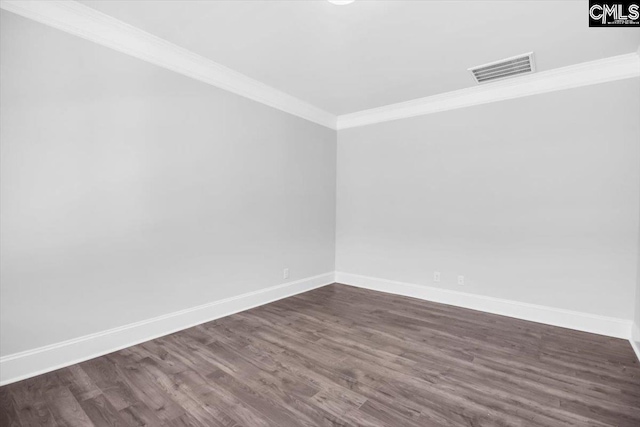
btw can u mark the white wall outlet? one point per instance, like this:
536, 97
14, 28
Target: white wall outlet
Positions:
285, 273
460, 280
436, 276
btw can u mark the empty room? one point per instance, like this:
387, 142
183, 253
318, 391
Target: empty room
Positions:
332, 213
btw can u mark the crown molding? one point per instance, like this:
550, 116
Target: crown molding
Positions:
90, 24
586, 73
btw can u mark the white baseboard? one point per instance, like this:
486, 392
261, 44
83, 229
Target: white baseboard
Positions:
602, 325
26, 364
635, 339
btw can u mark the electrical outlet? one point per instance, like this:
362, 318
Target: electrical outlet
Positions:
460, 280
436, 276
285, 273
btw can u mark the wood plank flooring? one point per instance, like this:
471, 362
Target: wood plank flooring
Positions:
343, 356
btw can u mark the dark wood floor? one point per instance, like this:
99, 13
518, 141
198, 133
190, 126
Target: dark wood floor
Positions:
342, 356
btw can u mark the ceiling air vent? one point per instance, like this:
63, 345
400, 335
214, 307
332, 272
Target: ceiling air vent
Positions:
509, 67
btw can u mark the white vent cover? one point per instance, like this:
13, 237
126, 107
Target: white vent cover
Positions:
509, 67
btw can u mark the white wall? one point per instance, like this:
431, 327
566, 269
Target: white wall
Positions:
635, 333
636, 328
129, 191
533, 200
